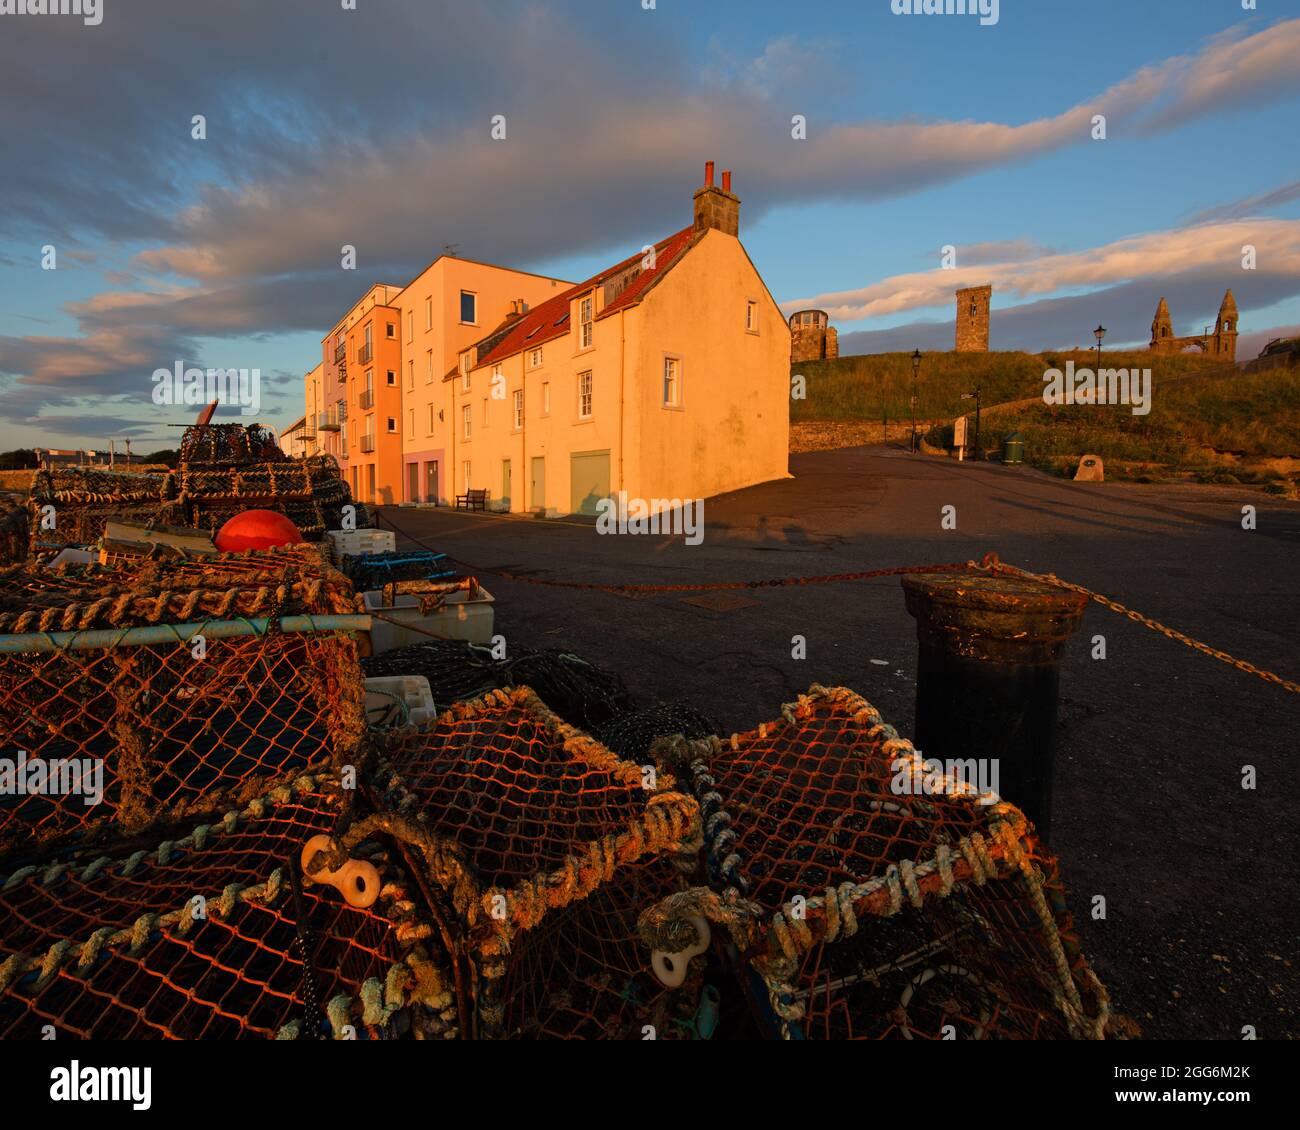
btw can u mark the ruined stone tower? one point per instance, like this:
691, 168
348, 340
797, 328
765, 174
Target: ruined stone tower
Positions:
973, 303
1221, 343
812, 337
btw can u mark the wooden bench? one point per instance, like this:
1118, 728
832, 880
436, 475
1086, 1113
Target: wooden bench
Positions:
472, 500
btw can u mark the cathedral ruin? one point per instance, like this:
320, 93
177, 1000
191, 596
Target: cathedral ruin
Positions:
1221, 343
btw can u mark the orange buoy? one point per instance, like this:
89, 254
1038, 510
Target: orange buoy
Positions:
257, 529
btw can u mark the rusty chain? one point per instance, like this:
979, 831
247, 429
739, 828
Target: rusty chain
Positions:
990, 563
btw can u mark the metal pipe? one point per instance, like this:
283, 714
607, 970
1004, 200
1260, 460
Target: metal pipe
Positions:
174, 633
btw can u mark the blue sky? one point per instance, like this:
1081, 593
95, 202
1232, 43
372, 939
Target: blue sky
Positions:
371, 127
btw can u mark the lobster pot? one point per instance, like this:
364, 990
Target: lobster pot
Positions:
211, 512
82, 523
230, 444
250, 482
13, 531
871, 897
543, 848
202, 937
113, 737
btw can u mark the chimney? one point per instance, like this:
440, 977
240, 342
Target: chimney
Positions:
717, 207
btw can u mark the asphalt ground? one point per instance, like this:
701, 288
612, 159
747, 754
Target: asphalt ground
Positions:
1200, 876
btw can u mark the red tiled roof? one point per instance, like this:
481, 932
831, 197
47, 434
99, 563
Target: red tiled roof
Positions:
540, 324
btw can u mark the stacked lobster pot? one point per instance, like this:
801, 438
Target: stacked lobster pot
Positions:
230, 928
537, 849
862, 894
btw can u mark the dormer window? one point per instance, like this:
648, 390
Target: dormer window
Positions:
464, 372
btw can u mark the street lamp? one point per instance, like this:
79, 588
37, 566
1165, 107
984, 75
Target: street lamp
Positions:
916, 371
1099, 333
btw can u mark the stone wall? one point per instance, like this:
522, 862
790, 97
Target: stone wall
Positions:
973, 303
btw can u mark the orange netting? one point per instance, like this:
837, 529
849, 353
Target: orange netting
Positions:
118, 735
867, 904
542, 847
204, 936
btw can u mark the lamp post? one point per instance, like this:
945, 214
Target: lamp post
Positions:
916, 372
1099, 333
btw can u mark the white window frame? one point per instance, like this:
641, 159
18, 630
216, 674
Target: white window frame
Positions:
410, 326
751, 316
519, 409
586, 322
589, 396
535, 357
428, 313
467, 421
392, 425
474, 295
465, 371
676, 400
428, 366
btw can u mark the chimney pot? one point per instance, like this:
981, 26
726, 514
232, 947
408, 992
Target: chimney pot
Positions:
708, 173
726, 180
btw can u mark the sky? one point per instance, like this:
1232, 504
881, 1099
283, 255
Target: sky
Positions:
369, 123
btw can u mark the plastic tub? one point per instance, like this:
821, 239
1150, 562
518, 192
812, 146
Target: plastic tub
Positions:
357, 542
465, 615
396, 700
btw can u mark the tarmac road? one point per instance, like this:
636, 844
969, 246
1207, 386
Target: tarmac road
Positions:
1201, 877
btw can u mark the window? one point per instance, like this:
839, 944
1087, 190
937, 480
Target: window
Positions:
751, 316
535, 358
392, 425
428, 366
672, 382
428, 313
465, 414
468, 308
392, 329
410, 421
485, 404
546, 398
464, 372
464, 470
392, 377
519, 408
410, 326
430, 419
368, 341
585, 332
370, 380
410, 376
584, 395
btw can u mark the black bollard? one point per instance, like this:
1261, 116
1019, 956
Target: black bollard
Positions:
988, 680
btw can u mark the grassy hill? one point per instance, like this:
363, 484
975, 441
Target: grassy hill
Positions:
1209, 421
860, 389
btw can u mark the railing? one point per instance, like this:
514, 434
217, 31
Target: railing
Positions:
328, 422
365, 353
367, 398
367, 443
341, 351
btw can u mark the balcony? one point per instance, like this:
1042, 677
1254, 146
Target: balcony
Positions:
328, 421
340, 352
365, 353
367, 443
366, 399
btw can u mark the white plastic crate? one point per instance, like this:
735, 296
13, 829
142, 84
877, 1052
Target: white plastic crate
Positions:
466, 615
345, 543
386, 696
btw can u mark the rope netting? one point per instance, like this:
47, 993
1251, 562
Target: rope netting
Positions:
581, 693
152, 719
544, 847
631, 734
867, 904
13, 530
214, 935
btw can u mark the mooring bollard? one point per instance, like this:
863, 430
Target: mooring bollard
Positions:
988, 680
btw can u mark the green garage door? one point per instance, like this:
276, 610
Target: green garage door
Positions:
588, 480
